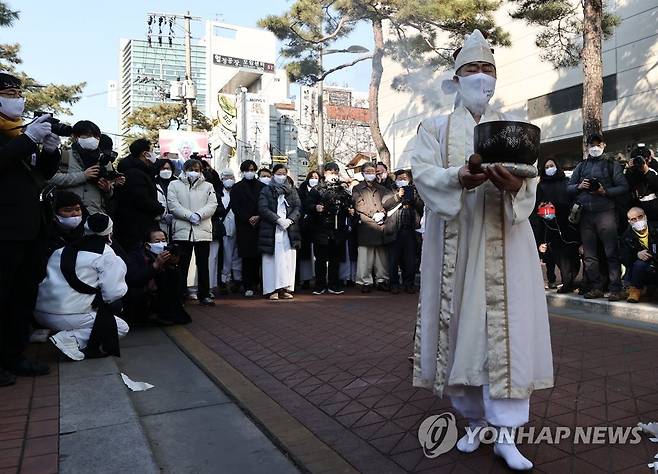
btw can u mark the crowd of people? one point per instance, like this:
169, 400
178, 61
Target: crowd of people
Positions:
600, 223
93, 244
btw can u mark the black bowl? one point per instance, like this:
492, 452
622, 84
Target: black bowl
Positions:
507, 141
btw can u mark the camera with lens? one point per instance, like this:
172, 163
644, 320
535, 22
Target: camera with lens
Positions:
594, 184
105, 160
173, 249
336, 199
57, 127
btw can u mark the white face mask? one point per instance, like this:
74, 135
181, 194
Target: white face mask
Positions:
12, 108
313, 182
249, 174
595, 151
476, 91
550, 171
402, 183
157, 247
69, 222
166, 174
228, 183
265, 180
369, 177
192, 175
280, 178
639, 226
90, 143
152, 157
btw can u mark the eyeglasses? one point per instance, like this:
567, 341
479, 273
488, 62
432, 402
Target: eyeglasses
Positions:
641, 217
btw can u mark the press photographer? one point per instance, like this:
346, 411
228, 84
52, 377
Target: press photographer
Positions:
639, 249
24, 167
329, 206
82, 171
643, 182
596, 183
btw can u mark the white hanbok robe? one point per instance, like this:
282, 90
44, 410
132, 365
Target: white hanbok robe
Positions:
482, 318
279, 268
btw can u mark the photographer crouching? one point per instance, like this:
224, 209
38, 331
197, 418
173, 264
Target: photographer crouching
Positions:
154, 282
24, 167
639, 249
643, 182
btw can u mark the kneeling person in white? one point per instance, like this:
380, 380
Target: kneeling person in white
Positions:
61, 308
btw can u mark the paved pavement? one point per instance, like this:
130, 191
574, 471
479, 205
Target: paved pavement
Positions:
338, 365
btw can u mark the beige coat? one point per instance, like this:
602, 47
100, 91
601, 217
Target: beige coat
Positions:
183, 200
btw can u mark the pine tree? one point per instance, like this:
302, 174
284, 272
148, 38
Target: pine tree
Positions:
148, 121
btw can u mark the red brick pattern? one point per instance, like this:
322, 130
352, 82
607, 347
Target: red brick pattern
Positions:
29, 421
339, 365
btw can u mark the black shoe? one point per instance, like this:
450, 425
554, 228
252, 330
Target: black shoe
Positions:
25, 367
335, 291
564, 289
552, 285
616, 296
6, 378
207, 301
593, 294
366, 288
319, 291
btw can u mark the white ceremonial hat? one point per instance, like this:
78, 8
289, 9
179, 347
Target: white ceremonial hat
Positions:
476, 49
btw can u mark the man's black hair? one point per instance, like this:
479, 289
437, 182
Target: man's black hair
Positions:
267, 170
105, 142
399, 172
147, 237
139, 146
246, 164
595, 137
278, 166
381, 163
333, 166
66, 199
368, 165
8, 81
86, 127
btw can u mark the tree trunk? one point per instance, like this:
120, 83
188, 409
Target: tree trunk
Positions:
373, 94
592, 68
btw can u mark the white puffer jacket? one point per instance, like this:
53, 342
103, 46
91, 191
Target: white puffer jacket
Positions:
184, 200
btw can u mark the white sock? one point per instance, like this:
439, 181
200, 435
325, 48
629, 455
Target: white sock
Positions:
471, 441
506, 449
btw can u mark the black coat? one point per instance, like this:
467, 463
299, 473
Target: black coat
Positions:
558, 232
23, 173
244, 202
138, 208
305, 224
407, 216
267, 207
629, 245
611, 176
334, 220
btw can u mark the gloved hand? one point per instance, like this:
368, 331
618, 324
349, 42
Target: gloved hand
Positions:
378, 217
50, 143
38, 129
194, 219
168, 218
283, 222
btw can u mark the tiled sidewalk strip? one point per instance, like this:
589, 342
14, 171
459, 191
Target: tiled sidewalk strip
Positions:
339, 366
29, 420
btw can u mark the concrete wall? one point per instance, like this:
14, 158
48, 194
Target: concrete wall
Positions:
632, 54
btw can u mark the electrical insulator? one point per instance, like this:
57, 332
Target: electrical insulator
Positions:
190, 89
176, 90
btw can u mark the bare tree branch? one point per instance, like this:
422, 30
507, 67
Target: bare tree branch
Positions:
342, 66
328, 37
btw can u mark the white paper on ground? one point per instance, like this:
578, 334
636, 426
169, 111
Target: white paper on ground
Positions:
650, 428
135, 386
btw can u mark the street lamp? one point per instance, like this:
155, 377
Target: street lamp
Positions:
354, 49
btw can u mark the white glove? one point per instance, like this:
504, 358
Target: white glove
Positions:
168, 218
283, 222
378, 217
288, 223
194, 219
50, 143
38, 129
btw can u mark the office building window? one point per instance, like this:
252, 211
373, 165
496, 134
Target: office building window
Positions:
565, 100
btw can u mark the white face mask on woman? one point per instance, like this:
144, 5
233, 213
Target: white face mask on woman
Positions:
401, 183
249, 174
228, 183
69, 222
12, 107
157, 247
551, 170
192, 175
313, 182
476, 90
280, 178
266, 180
595, 151
166, 174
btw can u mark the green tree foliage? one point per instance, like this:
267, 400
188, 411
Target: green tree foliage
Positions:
561, 27
55, 98
146, 122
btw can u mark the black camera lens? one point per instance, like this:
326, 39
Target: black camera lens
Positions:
61, 129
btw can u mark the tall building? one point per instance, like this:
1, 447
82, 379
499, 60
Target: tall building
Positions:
145, 74
551, 98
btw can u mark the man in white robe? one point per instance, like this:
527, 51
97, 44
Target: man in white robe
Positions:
482, 335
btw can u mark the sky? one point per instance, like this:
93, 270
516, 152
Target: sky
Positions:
73, 41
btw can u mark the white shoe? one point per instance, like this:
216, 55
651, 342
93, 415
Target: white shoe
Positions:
68, 345
249, 293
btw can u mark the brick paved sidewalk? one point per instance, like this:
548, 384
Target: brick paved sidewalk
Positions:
339, 365
29, 420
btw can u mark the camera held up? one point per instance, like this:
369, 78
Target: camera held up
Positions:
58, 128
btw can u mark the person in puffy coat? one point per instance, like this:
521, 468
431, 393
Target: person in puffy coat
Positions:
164, 177
280, 211
192, 201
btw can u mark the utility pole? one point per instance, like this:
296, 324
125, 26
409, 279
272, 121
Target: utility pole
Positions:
189, 95
188, 70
